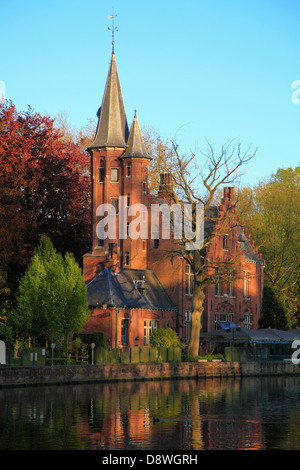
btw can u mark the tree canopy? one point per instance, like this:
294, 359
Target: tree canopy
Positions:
270, 211
51, 299
44, 189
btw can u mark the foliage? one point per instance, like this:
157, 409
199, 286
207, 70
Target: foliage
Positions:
51, 299
77, 343
209, 357
165, 337
162, 157
98, 338
44, 189
275, 311
6, 335
271, 213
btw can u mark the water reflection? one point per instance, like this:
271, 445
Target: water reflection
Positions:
258, 413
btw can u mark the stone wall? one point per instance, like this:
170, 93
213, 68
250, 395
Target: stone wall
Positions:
55, 375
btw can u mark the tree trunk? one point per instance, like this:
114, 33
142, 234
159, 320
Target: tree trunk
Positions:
198, 301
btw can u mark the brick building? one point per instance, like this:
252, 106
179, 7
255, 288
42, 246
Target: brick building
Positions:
132, 286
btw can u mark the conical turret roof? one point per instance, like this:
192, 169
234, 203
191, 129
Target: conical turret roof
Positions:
135, 146
112, 128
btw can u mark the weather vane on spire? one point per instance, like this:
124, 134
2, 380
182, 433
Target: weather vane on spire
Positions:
113, 29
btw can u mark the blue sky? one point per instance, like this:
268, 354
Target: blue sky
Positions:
193, 69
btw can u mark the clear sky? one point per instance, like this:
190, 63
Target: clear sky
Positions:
193, 69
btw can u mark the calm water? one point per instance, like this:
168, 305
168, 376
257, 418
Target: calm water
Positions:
258, 413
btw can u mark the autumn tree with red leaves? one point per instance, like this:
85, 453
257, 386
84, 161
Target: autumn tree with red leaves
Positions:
44, 189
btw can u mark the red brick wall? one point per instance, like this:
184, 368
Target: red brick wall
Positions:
110, 322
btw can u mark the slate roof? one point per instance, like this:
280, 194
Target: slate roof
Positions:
248, 250
272, 334
118, 289
135, 145
263, 335
112, 128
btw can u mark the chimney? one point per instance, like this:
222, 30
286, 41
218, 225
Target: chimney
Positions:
166, 184
228, 196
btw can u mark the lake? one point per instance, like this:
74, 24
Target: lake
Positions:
232, 414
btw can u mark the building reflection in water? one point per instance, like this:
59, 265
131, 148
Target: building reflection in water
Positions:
156, 415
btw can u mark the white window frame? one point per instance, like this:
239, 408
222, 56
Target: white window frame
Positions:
246, 284
230, 284
124, 330
218, 285
149, 326
223, 316
112, 170
189, 280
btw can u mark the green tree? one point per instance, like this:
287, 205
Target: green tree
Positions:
270, 211
51, 299
275, 311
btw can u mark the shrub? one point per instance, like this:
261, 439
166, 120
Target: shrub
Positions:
6, 335
165, 337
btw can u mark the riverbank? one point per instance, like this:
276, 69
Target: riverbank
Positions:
61, 375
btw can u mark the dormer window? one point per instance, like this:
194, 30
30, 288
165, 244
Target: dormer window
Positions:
140, 286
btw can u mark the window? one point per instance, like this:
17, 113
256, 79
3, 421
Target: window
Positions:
128, 173
126, 258
124, 331
189, 280
114, 175
188, 320
218, 286
101, 174
155, 239
111, 249
128, 200
246, 284
225, 242
115, 204
156, 243
230, 289
247, 319
144, 245
100, 238
228, 317
149, 326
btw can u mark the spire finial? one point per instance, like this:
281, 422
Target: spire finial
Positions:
113, 29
